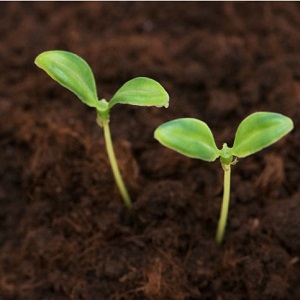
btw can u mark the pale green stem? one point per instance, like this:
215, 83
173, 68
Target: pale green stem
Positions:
114, 165
225, 204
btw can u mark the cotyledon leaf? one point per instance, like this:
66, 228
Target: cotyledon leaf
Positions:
72, 72
141, 91
190, 137
258, 131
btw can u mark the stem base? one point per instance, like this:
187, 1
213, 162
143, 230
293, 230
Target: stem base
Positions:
225, 204
114, 165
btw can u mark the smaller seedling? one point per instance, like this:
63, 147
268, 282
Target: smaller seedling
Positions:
72, 72
193, 138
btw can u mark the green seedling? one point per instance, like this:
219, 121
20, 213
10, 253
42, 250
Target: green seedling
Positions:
193, 138
72, 72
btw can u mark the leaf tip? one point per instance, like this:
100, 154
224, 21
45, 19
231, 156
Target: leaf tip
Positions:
37, 60
166, 103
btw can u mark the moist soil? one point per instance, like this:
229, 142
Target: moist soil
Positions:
64, 230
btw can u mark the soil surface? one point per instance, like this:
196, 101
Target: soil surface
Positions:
64, 230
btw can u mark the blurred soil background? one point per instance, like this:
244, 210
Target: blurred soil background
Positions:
64, 231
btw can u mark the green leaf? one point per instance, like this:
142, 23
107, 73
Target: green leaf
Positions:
141, 91
190, 137
72, 72
258, 131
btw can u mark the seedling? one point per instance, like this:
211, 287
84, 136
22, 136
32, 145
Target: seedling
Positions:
72, 72
193, 138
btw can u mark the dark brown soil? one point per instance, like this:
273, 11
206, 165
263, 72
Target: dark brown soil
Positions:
64, 231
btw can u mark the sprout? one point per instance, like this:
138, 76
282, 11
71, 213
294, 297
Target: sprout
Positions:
72, 72
193, 138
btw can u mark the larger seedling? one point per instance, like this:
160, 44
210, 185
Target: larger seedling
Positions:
72, 72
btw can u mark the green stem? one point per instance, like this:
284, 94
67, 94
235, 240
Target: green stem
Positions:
225, 204
114, 165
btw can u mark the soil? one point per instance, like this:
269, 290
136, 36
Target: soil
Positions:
64, 230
